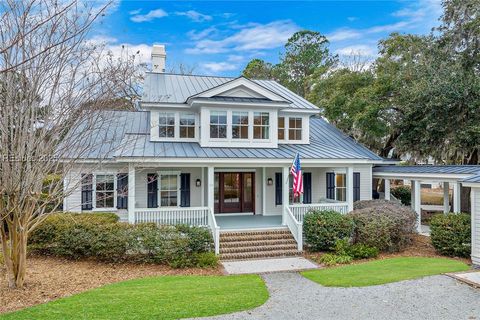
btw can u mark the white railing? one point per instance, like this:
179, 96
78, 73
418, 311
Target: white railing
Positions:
295, 227
299, 210
193, 216
215, 230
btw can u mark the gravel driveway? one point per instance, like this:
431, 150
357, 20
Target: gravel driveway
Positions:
294, 297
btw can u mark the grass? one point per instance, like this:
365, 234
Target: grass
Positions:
383, 271
166, 297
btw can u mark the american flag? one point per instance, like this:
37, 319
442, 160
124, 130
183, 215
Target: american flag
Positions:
296, 172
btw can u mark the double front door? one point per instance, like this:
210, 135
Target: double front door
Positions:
234, 192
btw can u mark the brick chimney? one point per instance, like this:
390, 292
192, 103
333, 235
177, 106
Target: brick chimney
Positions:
159, 56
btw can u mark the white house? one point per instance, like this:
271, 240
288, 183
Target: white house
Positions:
217, 151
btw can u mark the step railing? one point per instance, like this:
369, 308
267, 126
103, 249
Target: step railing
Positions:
295, 227
192, 216
215, 229
299, 210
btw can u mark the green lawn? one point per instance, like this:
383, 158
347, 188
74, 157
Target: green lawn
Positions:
383, 271
167, 297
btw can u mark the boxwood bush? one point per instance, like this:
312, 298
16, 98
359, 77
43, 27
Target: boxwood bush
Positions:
451, 234
323, 228
403, 193
385, 225
102, 237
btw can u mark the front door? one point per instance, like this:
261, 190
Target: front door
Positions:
234, 192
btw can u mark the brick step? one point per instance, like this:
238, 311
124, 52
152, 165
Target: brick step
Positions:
264, 242
257, 255
255, 237
282, 231
258, 248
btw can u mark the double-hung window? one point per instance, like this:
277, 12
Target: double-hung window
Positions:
240, 125
218, 124
261, 125
166, 125
281, 128
168, 190
187, 125
340, 187
294, 128
105, 191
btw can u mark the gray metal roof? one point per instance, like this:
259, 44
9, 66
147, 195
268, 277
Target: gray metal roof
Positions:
473, 179
128, 135
176, 88
429, 169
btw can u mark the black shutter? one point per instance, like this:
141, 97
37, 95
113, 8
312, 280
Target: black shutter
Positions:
278, 188
356, 186
122, 191
87, 191
185, 190
307, 187
330, 185
152, 190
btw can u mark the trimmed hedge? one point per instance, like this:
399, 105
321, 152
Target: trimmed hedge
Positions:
323, 228
403, 193
451, 234
102, 237
382, 224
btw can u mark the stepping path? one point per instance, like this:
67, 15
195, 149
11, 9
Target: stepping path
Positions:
268, 265
295, 297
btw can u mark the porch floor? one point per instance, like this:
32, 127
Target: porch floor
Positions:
239, 222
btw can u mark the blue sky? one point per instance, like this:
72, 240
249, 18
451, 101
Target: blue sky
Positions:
220, 37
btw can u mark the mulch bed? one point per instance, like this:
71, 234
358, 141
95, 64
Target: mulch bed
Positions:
50, 278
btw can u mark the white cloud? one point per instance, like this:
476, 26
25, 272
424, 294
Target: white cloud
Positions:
141, 51
344, 34
253, 36
153, 14
219, 66
359, 49
194, 15
134, 12
352, 18
197, 35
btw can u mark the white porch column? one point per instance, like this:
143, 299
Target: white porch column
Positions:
210, 187
475, 209
416, 202
131, 193
349, 185
202, 188
387, 189
264, 190
446, 197
457, 187
285, 192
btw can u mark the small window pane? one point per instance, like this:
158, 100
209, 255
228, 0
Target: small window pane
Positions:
166, 125
218, 124
187, 125
261, 121
340, 180
240, 125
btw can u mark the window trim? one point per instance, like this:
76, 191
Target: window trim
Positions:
187, 126
240, 125
228, 126
94, 190
159, 187
155, 126
305, 129
167, 114
261, 125
337, 187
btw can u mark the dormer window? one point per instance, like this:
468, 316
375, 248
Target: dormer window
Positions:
218, 124
166, 125
281, 128
261, 125
187, 125
295, 129
240, 125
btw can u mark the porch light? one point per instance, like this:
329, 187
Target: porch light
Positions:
198, 182
269, 181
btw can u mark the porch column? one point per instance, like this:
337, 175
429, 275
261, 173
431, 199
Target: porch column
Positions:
416, 201
446, 197
285, 191
131, 193
387, 189
457, 187
264, 190
210, 187
349, 185
202, 189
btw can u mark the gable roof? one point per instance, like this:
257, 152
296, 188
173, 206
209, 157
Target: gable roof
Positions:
176, 88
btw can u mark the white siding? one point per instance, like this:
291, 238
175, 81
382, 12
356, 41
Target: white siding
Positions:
72, 187
270, 207
475, 197
365, 181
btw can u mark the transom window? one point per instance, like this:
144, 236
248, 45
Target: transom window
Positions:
218, 124
187, 125
168, 190
105, 191
340, 187
261, 125
295, 129
281, 128
166, 125
240, 125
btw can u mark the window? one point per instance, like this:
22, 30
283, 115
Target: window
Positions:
340, 187
240, 125
105, 191
168, 190
261, 125
295, 129
187, 125
281, 128
218, 124
166, 125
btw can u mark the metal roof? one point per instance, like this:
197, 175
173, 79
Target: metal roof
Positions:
177, 88
128, 135
429, 169
473, 179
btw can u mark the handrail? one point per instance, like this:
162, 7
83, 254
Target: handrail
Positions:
215, 230
295, 227
194, 216
299, 210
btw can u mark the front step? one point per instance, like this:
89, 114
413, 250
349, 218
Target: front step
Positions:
239, 245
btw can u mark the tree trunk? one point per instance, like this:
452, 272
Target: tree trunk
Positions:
14, 247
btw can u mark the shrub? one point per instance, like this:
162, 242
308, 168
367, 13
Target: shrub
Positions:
330, 259
323, 228
206, 260
356, 251
383, 224
451, 234
403, 193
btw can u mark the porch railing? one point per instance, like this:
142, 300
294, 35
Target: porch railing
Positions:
299, 210
193, 216
295, 227
215, 229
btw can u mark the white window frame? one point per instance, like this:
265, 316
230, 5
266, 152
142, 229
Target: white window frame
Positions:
94, 190
228, 125
167, 114
188, 126
286, 133
155, 128
268, 126
159, 191
343, 188
240, 125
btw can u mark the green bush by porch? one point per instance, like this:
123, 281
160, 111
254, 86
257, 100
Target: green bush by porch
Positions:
323, 228
167, 297
451, 234
383, 271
